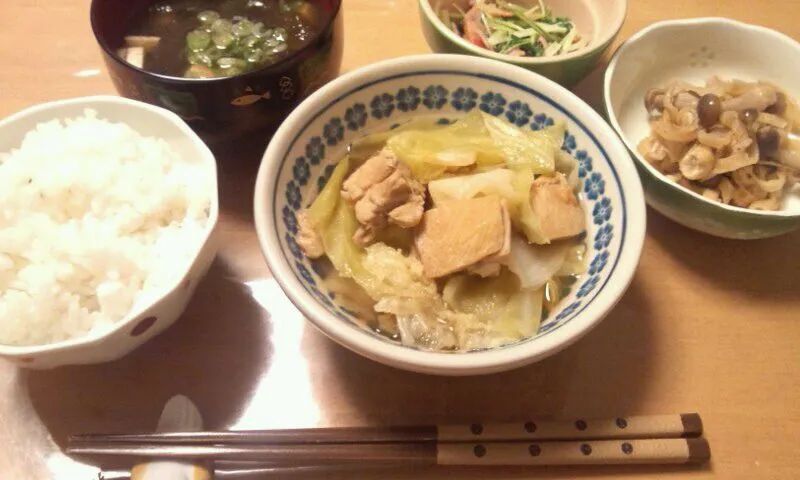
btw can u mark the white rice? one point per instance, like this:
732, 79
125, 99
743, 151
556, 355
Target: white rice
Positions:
94, 219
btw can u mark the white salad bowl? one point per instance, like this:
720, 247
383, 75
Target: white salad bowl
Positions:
151, 317
694, 50
315, 136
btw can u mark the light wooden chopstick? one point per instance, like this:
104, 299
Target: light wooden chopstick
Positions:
634, 440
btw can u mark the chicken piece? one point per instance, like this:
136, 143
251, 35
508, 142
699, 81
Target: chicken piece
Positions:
384, 196
383, 191
409, 214
553, 201
307, 237
375, 170
364, 236
461, 233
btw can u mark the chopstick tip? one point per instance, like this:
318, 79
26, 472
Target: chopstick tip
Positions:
699, 450
692, 424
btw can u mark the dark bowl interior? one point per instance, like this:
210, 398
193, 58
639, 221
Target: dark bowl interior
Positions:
222, 109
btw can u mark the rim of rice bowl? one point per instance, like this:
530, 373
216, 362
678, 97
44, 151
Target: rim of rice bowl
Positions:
124, 110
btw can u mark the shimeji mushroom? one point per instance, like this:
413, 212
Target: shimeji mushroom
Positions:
698, 163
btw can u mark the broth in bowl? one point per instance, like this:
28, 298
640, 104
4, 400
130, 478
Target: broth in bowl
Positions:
210, 39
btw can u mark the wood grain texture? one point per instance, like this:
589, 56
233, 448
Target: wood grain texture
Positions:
708, 325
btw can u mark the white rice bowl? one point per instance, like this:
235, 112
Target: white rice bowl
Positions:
95, 219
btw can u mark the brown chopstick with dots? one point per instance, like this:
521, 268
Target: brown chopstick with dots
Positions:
656, 439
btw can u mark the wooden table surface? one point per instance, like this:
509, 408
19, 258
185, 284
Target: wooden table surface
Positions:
708, 325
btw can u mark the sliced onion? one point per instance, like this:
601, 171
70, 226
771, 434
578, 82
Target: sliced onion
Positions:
530, 311
535, 264
715, 139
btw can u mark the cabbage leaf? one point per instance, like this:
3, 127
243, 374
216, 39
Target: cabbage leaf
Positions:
322, 210
335, 221
477, 139
365, 147
523, 313
525, 150
522, 214
503, 311
429, 154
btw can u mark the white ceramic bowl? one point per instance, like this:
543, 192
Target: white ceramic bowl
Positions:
693, 50
315, 136
147, 320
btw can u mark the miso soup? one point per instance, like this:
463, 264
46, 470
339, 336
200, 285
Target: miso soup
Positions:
212, 38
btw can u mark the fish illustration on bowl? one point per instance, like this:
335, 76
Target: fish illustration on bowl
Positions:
184, 104
250, 98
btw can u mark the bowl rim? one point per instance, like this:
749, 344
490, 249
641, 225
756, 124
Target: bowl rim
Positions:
611, 114
274, 69
601, 44
403, 357
90, 339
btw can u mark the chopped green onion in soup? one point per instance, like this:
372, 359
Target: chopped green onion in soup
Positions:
209, 39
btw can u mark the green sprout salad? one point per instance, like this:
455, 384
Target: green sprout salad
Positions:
511, 29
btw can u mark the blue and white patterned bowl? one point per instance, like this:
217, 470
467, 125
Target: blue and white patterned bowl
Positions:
314, 137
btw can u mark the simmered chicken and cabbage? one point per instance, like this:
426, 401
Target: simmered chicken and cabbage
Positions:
451, 237
730, 141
